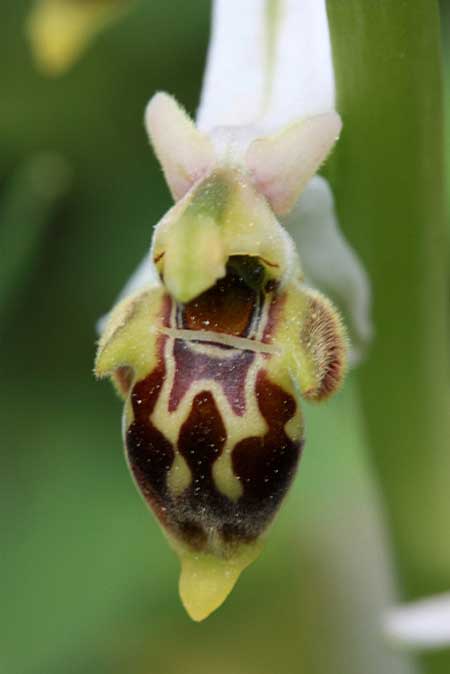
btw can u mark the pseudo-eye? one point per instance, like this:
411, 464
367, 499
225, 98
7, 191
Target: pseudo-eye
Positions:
212, 359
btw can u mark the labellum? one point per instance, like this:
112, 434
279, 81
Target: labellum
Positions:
214, 354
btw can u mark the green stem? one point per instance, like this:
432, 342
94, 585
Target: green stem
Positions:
388, 174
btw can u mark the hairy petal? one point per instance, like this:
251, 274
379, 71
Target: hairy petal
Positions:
183, 152
329, 262
282, 164
302, 77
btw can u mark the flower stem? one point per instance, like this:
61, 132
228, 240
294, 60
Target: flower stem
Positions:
388, 175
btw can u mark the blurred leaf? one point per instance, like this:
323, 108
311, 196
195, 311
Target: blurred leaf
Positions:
26, 206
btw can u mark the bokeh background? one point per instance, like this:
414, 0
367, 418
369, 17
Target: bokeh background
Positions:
88, 583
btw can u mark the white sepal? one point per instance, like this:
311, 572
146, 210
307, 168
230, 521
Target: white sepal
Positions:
235, 78
269, 64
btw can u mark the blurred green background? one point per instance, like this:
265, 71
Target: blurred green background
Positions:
88, 583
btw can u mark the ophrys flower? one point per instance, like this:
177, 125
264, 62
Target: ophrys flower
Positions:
218, 336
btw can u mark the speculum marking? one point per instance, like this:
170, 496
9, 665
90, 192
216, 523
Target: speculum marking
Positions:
192, 365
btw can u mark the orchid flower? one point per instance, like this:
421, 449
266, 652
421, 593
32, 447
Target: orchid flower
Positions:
220, 333
60, 30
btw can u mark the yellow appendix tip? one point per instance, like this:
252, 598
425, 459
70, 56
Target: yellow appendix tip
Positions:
207, 580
